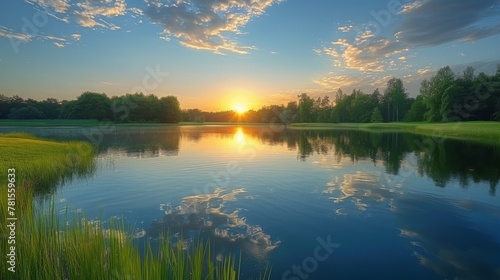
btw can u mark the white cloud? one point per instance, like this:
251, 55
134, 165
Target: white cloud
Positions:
59, 6
59, 45
334, 82
76, 36
364, 55
92, 12
206, 24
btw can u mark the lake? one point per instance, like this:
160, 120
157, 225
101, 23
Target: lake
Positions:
314, 204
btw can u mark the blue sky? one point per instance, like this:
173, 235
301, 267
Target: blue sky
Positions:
220, 54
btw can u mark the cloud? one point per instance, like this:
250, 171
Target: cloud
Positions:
424, 71
334, 82
362, 54
91, 13
435, 22
59, 6
76, 36
206, 24
5, 32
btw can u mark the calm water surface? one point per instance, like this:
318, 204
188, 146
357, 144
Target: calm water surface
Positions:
329, 204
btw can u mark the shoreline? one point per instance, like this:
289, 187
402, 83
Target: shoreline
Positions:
479, 131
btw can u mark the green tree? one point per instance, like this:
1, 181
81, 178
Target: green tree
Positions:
395, 96
306, 104
91, 105
27, 112
417, 111
169, 109
376, 116
432, 92
50, 108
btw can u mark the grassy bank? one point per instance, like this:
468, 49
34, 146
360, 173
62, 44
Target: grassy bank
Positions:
47, 247
478, 131
44, 164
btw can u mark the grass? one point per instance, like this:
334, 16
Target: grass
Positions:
487, 132
44, 164
48, 246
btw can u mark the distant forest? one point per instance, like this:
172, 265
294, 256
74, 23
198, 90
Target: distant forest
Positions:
445, 97
89, 105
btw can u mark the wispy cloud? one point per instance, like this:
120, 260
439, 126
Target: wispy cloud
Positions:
366, 55
5, 32
333, 82
60, 6
206, 25
92, 13
76, 36
434, 22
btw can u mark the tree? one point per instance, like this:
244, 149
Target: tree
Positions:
416, 112
170, 111
376, 116
306, 104
395, 95
50, 108
432, 91
91, 105
27, 112
451, 96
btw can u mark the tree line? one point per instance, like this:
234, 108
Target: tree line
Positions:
445, 97
90, 105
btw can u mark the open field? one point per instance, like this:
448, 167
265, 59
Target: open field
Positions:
478, 131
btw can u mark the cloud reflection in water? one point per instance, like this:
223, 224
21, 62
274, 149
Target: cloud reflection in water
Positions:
204, 214
361, 188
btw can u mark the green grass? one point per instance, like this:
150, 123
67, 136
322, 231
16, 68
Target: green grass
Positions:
44, 164
488, 132
51, 247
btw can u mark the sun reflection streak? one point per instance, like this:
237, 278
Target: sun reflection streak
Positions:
239, 136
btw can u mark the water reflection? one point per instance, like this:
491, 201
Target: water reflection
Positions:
444, 161
361, 189
206, 215
444, 240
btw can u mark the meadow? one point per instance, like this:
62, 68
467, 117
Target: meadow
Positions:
49, 245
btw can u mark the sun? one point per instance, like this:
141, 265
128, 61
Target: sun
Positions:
240, 109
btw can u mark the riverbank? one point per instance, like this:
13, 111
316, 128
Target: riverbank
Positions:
44, 243
488, 132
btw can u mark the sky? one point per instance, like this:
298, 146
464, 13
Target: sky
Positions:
223, 54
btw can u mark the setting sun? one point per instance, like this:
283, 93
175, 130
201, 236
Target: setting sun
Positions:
240, 110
